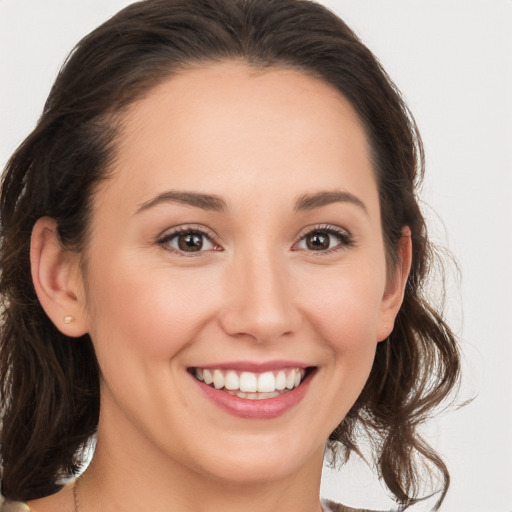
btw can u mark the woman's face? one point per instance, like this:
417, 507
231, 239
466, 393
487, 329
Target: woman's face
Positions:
238, 239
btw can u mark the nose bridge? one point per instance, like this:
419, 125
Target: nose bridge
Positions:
260, 302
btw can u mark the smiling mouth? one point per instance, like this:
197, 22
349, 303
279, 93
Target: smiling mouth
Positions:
251, 385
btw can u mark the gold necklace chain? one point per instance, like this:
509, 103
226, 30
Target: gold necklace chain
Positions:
75, 494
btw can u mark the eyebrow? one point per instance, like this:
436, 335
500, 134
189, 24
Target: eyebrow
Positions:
217, 204
195, 199
319, 199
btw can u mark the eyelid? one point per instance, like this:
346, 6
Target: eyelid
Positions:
346, 238
170, 233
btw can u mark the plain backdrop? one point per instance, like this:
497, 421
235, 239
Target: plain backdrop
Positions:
453, 62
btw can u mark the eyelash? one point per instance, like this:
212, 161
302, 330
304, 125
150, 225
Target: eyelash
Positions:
188, 230
345, 239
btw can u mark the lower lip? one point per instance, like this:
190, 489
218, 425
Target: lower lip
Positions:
265, 409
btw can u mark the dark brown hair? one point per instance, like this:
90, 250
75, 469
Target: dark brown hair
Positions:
49, 384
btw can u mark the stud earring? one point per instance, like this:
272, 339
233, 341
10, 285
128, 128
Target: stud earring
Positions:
68, 319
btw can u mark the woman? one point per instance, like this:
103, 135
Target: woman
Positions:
212, 260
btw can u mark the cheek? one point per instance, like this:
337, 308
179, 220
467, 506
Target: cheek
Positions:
345, 306
153, 312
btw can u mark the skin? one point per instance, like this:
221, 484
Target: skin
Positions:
259, 140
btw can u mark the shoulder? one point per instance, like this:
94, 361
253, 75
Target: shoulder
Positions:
13, 506
331, 506
59, 500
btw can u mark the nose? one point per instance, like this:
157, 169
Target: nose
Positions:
259, 302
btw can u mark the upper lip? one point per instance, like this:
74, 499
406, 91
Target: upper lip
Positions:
255, 367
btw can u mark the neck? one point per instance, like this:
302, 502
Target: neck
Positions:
145, 478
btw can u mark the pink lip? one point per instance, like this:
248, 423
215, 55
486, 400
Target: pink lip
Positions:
251, 366
255, 409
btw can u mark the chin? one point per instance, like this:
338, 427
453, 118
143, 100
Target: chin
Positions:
258, 462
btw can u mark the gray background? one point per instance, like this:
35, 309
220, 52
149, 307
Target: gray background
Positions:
453, 62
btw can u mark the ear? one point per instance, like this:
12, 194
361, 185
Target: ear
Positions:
57, 279
395, 287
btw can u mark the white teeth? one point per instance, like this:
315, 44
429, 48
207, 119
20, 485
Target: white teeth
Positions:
260, 396
251, 385
218, 379
254, 396
280, 381
266, 383
297, 378
232, 381
290, 380
248, 382
207, 377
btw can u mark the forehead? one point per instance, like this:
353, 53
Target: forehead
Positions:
232, 124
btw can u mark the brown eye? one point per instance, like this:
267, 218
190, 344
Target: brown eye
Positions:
188, 241
325, 240
318, 241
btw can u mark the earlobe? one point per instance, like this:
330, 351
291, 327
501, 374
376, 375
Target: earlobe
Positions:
395, 289
57, 280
